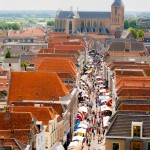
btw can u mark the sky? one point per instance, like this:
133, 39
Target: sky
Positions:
97, 5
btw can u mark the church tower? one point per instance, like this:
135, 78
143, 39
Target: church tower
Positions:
117, 15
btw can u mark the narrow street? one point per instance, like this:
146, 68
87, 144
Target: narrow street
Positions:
93, 95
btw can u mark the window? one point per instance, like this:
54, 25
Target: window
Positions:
136, 131
115, 146
9, 64
70, 27
116, 11
148, 146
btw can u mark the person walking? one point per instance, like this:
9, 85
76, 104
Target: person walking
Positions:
87, 141
99, 139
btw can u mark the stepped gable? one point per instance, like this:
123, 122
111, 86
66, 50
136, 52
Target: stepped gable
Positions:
35, 86
121, 122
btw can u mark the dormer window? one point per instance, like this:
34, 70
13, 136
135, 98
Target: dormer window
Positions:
137, 129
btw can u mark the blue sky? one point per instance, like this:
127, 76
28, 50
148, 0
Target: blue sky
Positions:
98, 5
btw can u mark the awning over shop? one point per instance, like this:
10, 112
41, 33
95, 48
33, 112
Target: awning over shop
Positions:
105, 121
77, 138
82, 125
83, 109
105, 108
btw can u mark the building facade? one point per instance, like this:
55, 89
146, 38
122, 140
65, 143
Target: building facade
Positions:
98, 22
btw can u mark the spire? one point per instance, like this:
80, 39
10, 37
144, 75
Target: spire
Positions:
117, 3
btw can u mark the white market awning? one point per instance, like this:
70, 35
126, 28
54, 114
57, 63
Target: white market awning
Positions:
105, 108
105, 121
81, 130
79, 138
83, 109
82, 125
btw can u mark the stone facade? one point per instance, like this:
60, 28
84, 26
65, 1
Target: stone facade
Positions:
76, 22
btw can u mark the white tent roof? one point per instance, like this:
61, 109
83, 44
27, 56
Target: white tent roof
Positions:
105, 121
105, 107
81, 130
84, 122
83, 109
80, 138
73, 144
98, 77
82, 125
103, 90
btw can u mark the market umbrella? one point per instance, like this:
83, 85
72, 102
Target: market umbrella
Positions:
83, 109
82, 125
79, 138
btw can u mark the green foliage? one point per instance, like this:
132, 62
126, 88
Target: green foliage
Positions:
133, 32
8, 54
25, 65
132, 23
7, 26
140, 34
126, 24
50, 23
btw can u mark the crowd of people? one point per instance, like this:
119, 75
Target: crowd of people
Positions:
91, 87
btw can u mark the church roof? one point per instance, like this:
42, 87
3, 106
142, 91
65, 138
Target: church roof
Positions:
117, 3
85, 14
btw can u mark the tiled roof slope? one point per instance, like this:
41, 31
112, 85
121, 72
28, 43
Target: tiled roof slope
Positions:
121, 124
58, 65
40, 113
29, 33
35, 86
57, 107
10, 143
60, 51
15, 125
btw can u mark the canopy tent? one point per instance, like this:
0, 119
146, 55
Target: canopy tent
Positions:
84, 77
105, 108
73, 144
98, 77
82, 125
103, 97
84, 122
89, 71
79, 117
59, 147
83, 109
103, 91
105, 121
76, 126
107, 94
104, 100
85, 95
81, 130
77, 138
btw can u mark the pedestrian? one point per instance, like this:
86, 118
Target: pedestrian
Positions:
99, 139
87, 141
94, 136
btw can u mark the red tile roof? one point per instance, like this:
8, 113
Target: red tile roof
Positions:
43, 114
15, 125
35, 86
29, 33
57, 107
61, 66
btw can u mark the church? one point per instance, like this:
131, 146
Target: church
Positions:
72, 22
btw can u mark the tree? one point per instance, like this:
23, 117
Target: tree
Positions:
126, 24
50, 23
133, 32
132, 23
25, 65
15, 26
8, 54
140, 34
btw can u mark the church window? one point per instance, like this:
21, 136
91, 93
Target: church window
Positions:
95, 24
88, 24
82, 24
116, 11
70, 27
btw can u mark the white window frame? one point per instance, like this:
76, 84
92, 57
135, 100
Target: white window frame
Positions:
139, 124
